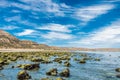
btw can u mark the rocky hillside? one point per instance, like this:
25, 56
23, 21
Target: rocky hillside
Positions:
9, 41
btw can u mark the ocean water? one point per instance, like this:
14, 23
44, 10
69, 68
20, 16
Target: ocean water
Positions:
91, 70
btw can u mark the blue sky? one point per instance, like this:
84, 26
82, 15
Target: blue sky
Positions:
66, 23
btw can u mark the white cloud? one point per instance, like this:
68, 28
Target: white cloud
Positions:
25, 32
109, 36
111, 1
19, 20
15, 11
86, 14
65, 6
56, 27
57, 35
14, 18
4, 3
37, 6
43, 6
9, 27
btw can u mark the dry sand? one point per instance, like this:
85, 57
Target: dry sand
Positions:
20, 50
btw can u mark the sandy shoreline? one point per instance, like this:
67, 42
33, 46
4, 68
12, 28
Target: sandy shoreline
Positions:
20, 50
37, 50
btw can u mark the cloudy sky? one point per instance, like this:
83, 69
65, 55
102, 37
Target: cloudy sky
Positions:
70, 23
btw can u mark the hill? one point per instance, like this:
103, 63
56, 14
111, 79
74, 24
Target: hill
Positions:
9, 41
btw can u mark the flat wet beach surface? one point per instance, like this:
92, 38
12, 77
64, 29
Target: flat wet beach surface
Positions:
51, 65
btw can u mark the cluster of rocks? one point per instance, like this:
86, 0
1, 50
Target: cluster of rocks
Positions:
41, 60
37, 60
23, 75
59, 60
29, 66
3, 62
84, 58
54, 72
97, 59
64, 59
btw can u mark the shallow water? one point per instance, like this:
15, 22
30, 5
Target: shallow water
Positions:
91, 70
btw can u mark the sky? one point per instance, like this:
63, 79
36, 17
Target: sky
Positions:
64, 23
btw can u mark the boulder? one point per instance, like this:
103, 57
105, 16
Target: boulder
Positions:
2, 61
46, 62
82, 61
36, 60
118, 75
117, 69
52, 72
75, 59
67, 64
23, 75
97, 59
83, 55
65, 73
1, 67
29, 66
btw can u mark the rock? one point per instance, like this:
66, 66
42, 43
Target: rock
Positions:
60, 62
97, 59
118, 75
46, 62
6, 62
75, 59
117, 69
59, 78
13, 67
23, 75
67, 64
52, 72
57, 60
13, 59
29, 66
65, 58
2, 61
1, 75
82, 61
65, 73
110, 75
1, 68
36, 59
83, 55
